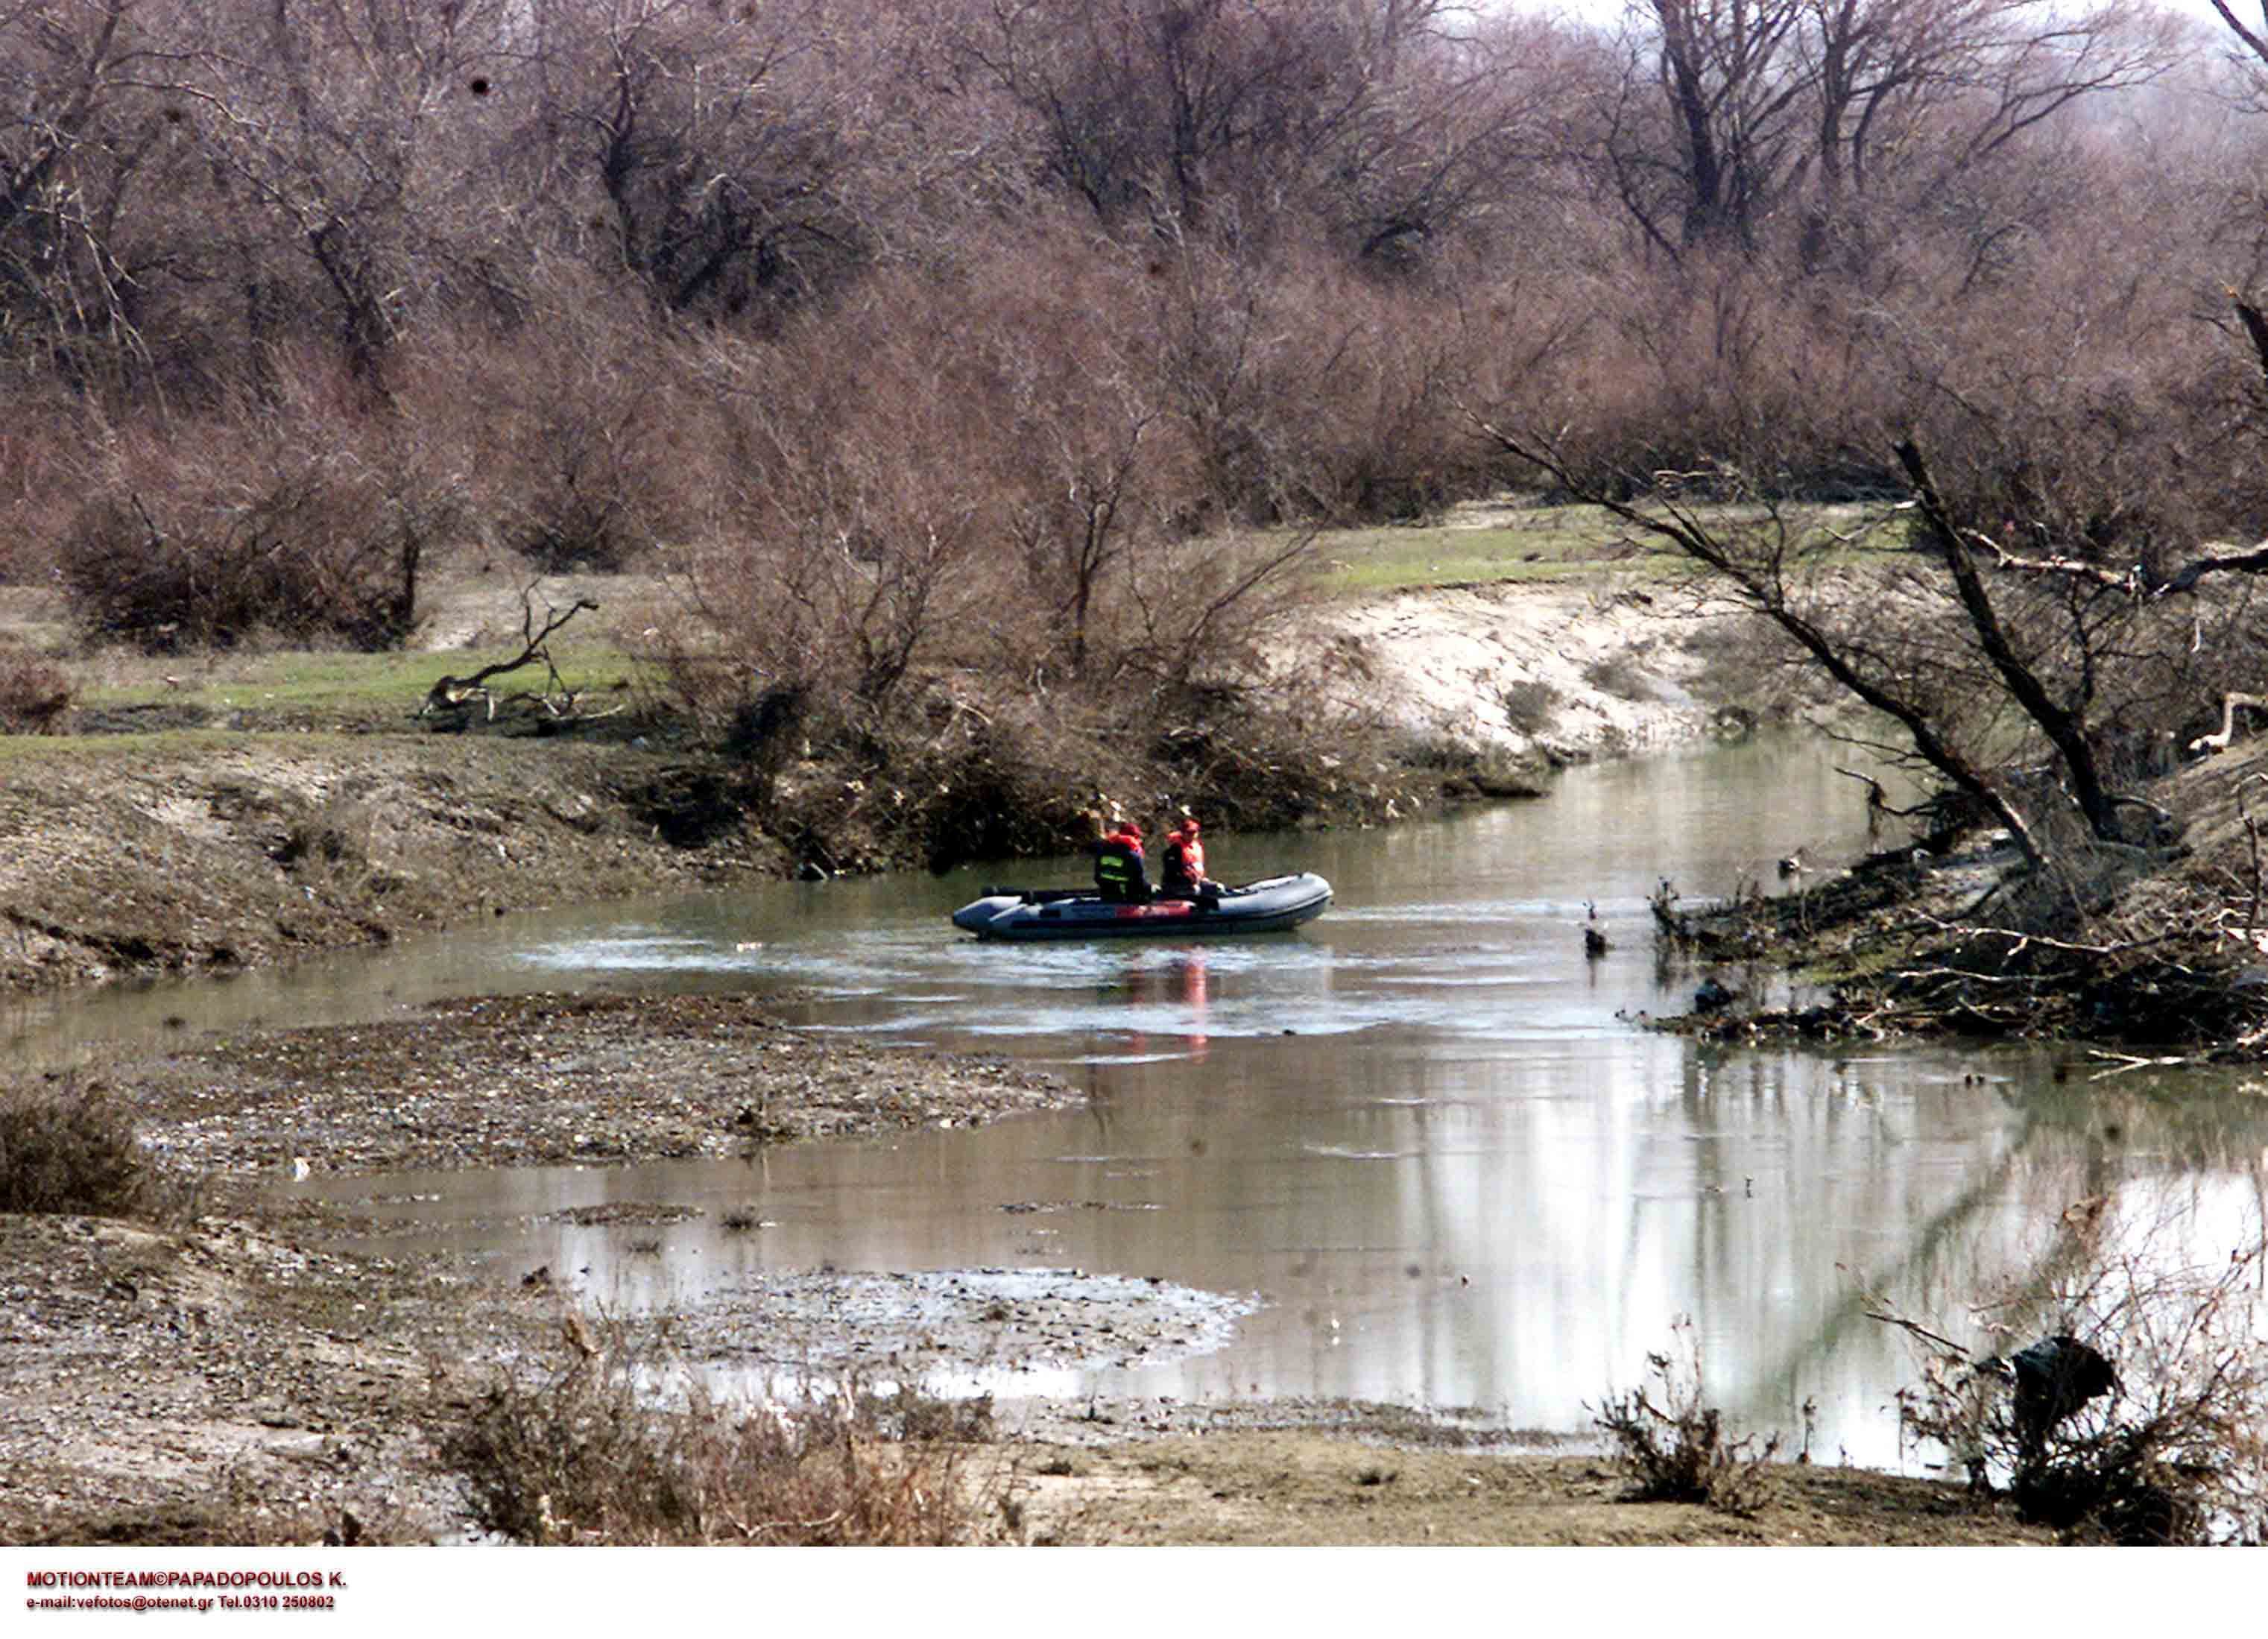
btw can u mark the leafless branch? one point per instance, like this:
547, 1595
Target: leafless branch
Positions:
448, 693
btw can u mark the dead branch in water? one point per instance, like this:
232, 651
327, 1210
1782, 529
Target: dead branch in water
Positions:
2121, 1063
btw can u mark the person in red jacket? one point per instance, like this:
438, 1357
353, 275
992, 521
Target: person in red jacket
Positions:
1182, 867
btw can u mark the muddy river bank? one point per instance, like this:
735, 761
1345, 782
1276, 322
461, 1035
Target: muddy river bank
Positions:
234, 1377
289, 1359
420, 1199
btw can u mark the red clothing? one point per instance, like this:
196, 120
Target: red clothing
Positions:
1184, 864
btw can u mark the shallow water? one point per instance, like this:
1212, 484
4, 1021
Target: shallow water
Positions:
1421, 1129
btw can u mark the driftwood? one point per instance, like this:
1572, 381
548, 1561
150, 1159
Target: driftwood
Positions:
451, 693
2228, 705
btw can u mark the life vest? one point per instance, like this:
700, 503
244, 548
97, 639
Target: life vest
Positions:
1119, 870
1182, 866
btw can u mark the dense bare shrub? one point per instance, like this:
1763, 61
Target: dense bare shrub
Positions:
1621, 675
815, 633
288, 558
42, 453
589, 1457
308, 521
582, 514
1641, 372
2067, 414
1307, 389
1008, 775
1672, 1442
1147, 402
1024, 506
1531, 707
331, 839
34, 692
68, 1146
580, 444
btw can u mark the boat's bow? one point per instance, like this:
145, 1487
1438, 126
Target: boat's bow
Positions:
979, 916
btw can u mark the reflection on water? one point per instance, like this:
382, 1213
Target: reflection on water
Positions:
1420, 1127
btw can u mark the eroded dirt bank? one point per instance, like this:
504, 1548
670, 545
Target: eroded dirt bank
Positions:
1557, 672
129, 856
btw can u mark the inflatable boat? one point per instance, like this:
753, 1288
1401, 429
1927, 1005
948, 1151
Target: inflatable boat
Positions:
1264, 907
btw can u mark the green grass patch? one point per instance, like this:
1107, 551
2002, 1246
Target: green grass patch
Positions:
1497, 544
312, 683
1485, 542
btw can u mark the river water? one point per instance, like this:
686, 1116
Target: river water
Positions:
1423, 1133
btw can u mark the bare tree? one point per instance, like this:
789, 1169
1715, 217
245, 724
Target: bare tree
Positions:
2254, 36
1767, 564
1968, 670
1729, 110
1455, 135
1165, 105
332, 132
716, 138
91, 126
1378, 116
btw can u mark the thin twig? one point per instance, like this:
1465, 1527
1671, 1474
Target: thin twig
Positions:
2024, 939
2125, 1061
1965, 975
1918, 1330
